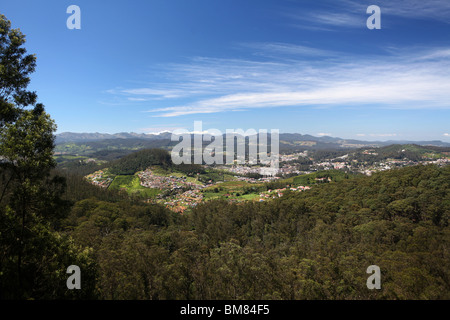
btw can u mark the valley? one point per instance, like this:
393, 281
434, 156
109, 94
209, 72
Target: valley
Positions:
181, 188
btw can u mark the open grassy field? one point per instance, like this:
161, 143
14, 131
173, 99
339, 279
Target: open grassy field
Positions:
232, 190
213, 175
231, 186
224, 195
249, 197
132, 185
69, 157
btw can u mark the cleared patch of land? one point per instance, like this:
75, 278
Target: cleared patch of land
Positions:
133, 186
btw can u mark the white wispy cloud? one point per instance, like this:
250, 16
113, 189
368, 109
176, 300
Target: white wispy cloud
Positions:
137, 99
333, 16
380, 135
145, 94
430, 9
279, 49
408, 79
158, 130
337, 19
326, 21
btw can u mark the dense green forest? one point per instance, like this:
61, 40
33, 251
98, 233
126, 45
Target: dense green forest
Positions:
107, 149
141, 160
311, 245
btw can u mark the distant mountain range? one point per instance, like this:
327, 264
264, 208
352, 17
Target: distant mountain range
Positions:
288, 140
84, 137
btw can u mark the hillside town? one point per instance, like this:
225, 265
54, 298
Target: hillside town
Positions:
370, 168
179, 192
181, 202
151, 180
99, 179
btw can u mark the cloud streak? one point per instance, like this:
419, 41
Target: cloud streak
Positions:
332, 16
438, 10
403, 80
407, 79
376, 135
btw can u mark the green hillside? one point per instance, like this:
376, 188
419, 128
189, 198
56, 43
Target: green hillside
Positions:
315, 244
132, 185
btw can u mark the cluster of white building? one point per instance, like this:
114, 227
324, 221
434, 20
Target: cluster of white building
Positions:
150, 180
98, 179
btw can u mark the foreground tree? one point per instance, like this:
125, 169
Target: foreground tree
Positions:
15, 67
32, 264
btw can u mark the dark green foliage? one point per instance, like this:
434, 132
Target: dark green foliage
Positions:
189, 169
311, 245
328, 154
110, 155
111, 149
33, 256
78, 188
15, 67
78, 167
139, 161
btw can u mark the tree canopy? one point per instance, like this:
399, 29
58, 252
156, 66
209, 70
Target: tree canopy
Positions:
315, 244
33, 256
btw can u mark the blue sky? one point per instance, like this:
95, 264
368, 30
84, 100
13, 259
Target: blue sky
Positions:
311, 67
